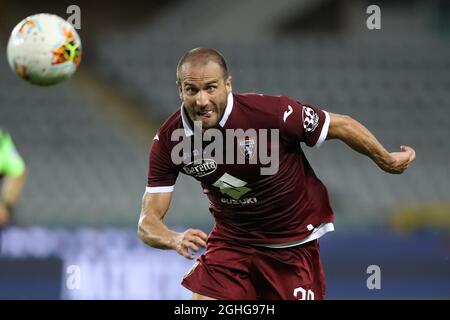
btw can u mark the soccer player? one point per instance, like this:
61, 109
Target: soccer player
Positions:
12, 177
264, 244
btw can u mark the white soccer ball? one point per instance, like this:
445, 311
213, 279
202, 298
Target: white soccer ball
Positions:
44, 49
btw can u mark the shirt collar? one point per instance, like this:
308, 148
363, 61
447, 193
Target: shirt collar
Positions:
188, 131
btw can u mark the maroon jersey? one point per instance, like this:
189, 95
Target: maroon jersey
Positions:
282, 209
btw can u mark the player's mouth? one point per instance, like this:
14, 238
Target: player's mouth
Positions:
205, 114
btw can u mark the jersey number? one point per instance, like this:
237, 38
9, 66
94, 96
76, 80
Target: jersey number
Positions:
302, 294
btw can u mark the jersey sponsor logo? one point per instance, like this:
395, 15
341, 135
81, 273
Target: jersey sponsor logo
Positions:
231, 186
248, 147
287, 113
310, 119
200, 168
239, 201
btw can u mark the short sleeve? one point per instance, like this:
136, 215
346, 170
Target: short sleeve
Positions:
162, 173
11, 163
302, 123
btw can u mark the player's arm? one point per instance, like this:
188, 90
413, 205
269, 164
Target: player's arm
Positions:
10, 192
360, 139
14, 170
154, 232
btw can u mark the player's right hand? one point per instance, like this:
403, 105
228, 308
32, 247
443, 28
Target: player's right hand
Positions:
401, 160
189, 241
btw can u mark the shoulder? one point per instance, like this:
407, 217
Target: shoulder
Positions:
257, 100
264, 106
263, 102
256, 105
4, 137
172, 123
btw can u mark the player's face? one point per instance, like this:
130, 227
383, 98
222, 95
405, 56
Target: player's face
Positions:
204, 92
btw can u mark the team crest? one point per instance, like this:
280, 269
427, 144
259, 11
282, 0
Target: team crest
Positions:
248, 147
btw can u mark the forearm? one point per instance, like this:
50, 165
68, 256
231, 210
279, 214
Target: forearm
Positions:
11, 190
153, 232
360, 139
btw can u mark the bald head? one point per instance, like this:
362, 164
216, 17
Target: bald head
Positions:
201, 57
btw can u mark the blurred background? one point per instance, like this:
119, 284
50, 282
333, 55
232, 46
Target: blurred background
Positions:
86, 141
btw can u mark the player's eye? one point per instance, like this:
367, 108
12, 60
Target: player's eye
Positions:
191, 90
211, 88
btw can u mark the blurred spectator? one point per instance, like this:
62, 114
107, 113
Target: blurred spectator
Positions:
12, 177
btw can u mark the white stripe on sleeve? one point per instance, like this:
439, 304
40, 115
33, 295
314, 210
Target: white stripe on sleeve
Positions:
159, 189
324, 133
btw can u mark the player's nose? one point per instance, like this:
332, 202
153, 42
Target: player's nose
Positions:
202, 99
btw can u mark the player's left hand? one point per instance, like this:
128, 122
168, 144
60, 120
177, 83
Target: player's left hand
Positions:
188, 242
400, 160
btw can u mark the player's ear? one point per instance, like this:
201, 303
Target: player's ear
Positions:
228, 84
180, 90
